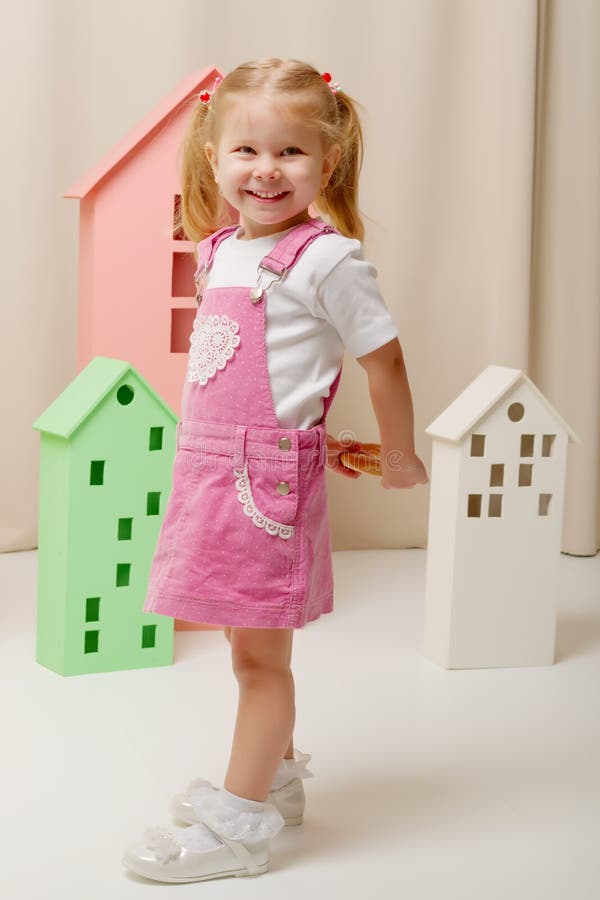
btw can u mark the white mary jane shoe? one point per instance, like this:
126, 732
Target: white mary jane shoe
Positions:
165, 855
228, 841
289, 799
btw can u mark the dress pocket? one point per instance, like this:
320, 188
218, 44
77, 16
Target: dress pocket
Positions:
259, 487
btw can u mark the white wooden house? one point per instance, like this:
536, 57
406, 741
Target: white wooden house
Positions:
495, 522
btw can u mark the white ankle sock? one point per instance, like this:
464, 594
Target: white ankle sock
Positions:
198, 837
243, 803
289, 769
241, 819
284, 774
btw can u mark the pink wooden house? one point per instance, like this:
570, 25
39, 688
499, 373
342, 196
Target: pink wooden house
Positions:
136, 287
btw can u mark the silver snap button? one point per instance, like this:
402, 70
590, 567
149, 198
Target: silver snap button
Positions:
283, 487
284, 443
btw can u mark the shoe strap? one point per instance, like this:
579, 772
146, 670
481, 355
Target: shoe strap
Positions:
238, 850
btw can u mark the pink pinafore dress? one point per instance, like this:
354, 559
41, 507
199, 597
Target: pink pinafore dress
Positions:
245, 538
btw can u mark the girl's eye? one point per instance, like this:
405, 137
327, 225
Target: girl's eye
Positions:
295, 149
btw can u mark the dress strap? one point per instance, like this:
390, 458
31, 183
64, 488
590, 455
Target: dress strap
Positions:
291, 247
283, 255
207, 248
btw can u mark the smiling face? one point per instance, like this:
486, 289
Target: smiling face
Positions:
262, 151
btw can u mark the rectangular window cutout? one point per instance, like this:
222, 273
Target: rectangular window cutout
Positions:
548, 444
182, 325
497, 475
153, 503
178, 234
92, 609
148, 636
474, 505
125, 526
477, 444
97, 471
91, 642
123, 574
527, 444
525, 474
156, 438
544, 504
495, 505
182, 275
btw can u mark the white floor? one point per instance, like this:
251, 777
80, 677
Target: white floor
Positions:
461, 785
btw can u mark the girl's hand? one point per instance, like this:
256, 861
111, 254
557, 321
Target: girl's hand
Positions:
401, 470
334, 448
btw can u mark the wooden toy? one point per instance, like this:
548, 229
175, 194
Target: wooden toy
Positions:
367, 459
495, 517
106, 459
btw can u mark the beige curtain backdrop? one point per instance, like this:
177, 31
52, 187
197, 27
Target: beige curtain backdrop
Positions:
481, 191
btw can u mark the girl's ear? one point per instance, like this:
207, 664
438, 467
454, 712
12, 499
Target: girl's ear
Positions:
331, 159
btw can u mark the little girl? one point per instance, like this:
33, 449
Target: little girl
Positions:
245, 541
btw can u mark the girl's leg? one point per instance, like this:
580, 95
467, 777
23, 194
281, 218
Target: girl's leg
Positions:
289, 753
261, 659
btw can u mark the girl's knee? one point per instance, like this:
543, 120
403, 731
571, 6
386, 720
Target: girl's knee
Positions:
250, 668
256, 653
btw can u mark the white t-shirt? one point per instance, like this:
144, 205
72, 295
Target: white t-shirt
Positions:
329, 300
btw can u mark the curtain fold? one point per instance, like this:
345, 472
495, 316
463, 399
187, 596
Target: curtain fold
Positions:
565, 294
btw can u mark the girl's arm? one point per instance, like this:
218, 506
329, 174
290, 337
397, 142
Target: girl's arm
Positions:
392, 404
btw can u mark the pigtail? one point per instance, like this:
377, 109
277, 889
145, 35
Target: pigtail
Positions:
202, 210
339, 200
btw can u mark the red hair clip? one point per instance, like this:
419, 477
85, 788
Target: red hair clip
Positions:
206, 96
333, 86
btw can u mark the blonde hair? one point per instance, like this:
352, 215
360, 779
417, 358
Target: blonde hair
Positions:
203, 210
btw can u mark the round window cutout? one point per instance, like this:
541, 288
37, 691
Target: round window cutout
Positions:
125, 394
516, 411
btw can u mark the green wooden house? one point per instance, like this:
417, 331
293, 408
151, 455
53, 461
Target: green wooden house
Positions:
106, 460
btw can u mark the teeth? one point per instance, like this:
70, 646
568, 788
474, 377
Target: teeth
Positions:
267, 195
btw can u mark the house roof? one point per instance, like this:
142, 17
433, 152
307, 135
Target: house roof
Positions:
478, 398
144, 130
81, 397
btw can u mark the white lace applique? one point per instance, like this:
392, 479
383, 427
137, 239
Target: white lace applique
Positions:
213, 342
245, 497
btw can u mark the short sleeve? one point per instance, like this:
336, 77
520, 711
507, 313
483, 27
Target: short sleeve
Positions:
350, 299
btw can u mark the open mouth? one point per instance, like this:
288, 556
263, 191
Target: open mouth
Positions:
268, 196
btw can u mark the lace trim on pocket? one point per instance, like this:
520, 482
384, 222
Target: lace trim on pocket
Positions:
244, 492
213, 342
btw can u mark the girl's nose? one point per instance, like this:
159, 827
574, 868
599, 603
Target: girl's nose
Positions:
266, 168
